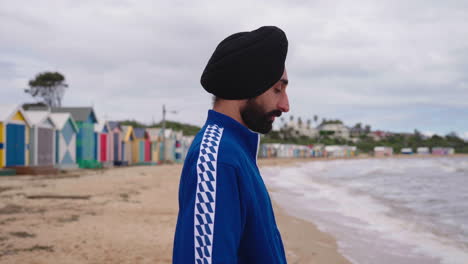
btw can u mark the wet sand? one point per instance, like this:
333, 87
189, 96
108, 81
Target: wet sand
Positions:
118, 215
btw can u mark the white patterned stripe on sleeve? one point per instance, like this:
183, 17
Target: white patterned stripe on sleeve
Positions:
205, 200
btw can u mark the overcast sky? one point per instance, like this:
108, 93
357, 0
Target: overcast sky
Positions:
396, 65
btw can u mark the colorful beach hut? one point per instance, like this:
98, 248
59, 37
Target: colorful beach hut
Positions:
141, 146
102, 150
155, 139
168, 146
85, 118
65, 140
127, 137
186, 143
178, 148
42, 134
115, 140
382, 151
14, 136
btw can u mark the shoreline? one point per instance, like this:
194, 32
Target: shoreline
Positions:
124, 215
303, 241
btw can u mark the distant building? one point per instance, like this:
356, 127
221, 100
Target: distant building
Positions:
335, 130
378, 135
357, 131
299, 129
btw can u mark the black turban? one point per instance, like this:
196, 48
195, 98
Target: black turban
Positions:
246, 64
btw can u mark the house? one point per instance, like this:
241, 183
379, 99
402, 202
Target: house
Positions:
42, 138
299, 129
334, 130
65, 140
115, 145
378, 135
14, 136
127, 137
357, 131
154, 135
85, 118
141, 146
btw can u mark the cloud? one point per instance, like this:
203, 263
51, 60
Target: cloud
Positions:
386, 63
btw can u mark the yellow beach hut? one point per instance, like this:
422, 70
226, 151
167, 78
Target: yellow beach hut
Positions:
14, 136
127, 137
155, 139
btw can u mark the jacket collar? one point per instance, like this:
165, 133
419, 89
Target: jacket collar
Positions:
245, 136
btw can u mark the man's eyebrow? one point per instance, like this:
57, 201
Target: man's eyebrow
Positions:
284, 81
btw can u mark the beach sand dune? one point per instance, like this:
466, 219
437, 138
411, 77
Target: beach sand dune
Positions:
119, 215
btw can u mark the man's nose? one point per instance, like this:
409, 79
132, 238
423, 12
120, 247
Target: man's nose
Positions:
283, 104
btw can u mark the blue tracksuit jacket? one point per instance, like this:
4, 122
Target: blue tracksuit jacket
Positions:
225, 212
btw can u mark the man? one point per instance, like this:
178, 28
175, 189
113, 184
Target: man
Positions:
225, 212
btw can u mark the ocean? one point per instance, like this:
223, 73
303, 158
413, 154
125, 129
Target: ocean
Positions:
394, 210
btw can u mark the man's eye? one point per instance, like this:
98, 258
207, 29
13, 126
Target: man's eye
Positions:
277, 90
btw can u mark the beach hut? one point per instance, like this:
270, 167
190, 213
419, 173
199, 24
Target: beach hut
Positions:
85, 118
14, 136
115, 140
168, 146
155, 139
65, 140
127, 137
141, 146
42, 135
178, 149
102, 150
381, 151
423, 151
443, 151
406, 151
186, 143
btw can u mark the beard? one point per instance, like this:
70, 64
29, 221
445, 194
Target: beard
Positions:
256, 118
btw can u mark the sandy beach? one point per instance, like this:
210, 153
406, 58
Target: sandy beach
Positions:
118, 215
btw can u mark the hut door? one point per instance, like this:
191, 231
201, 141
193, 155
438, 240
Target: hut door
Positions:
116, 146
103, 147
45, 146
15, 143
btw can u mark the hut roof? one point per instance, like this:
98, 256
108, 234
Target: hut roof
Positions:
154, 133
37, 117
113, 124
61, 119
127, 132
8, 110
78, 113
101, 127
140, 132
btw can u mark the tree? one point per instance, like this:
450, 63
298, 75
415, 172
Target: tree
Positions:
358, 126
50, 86
367, 129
